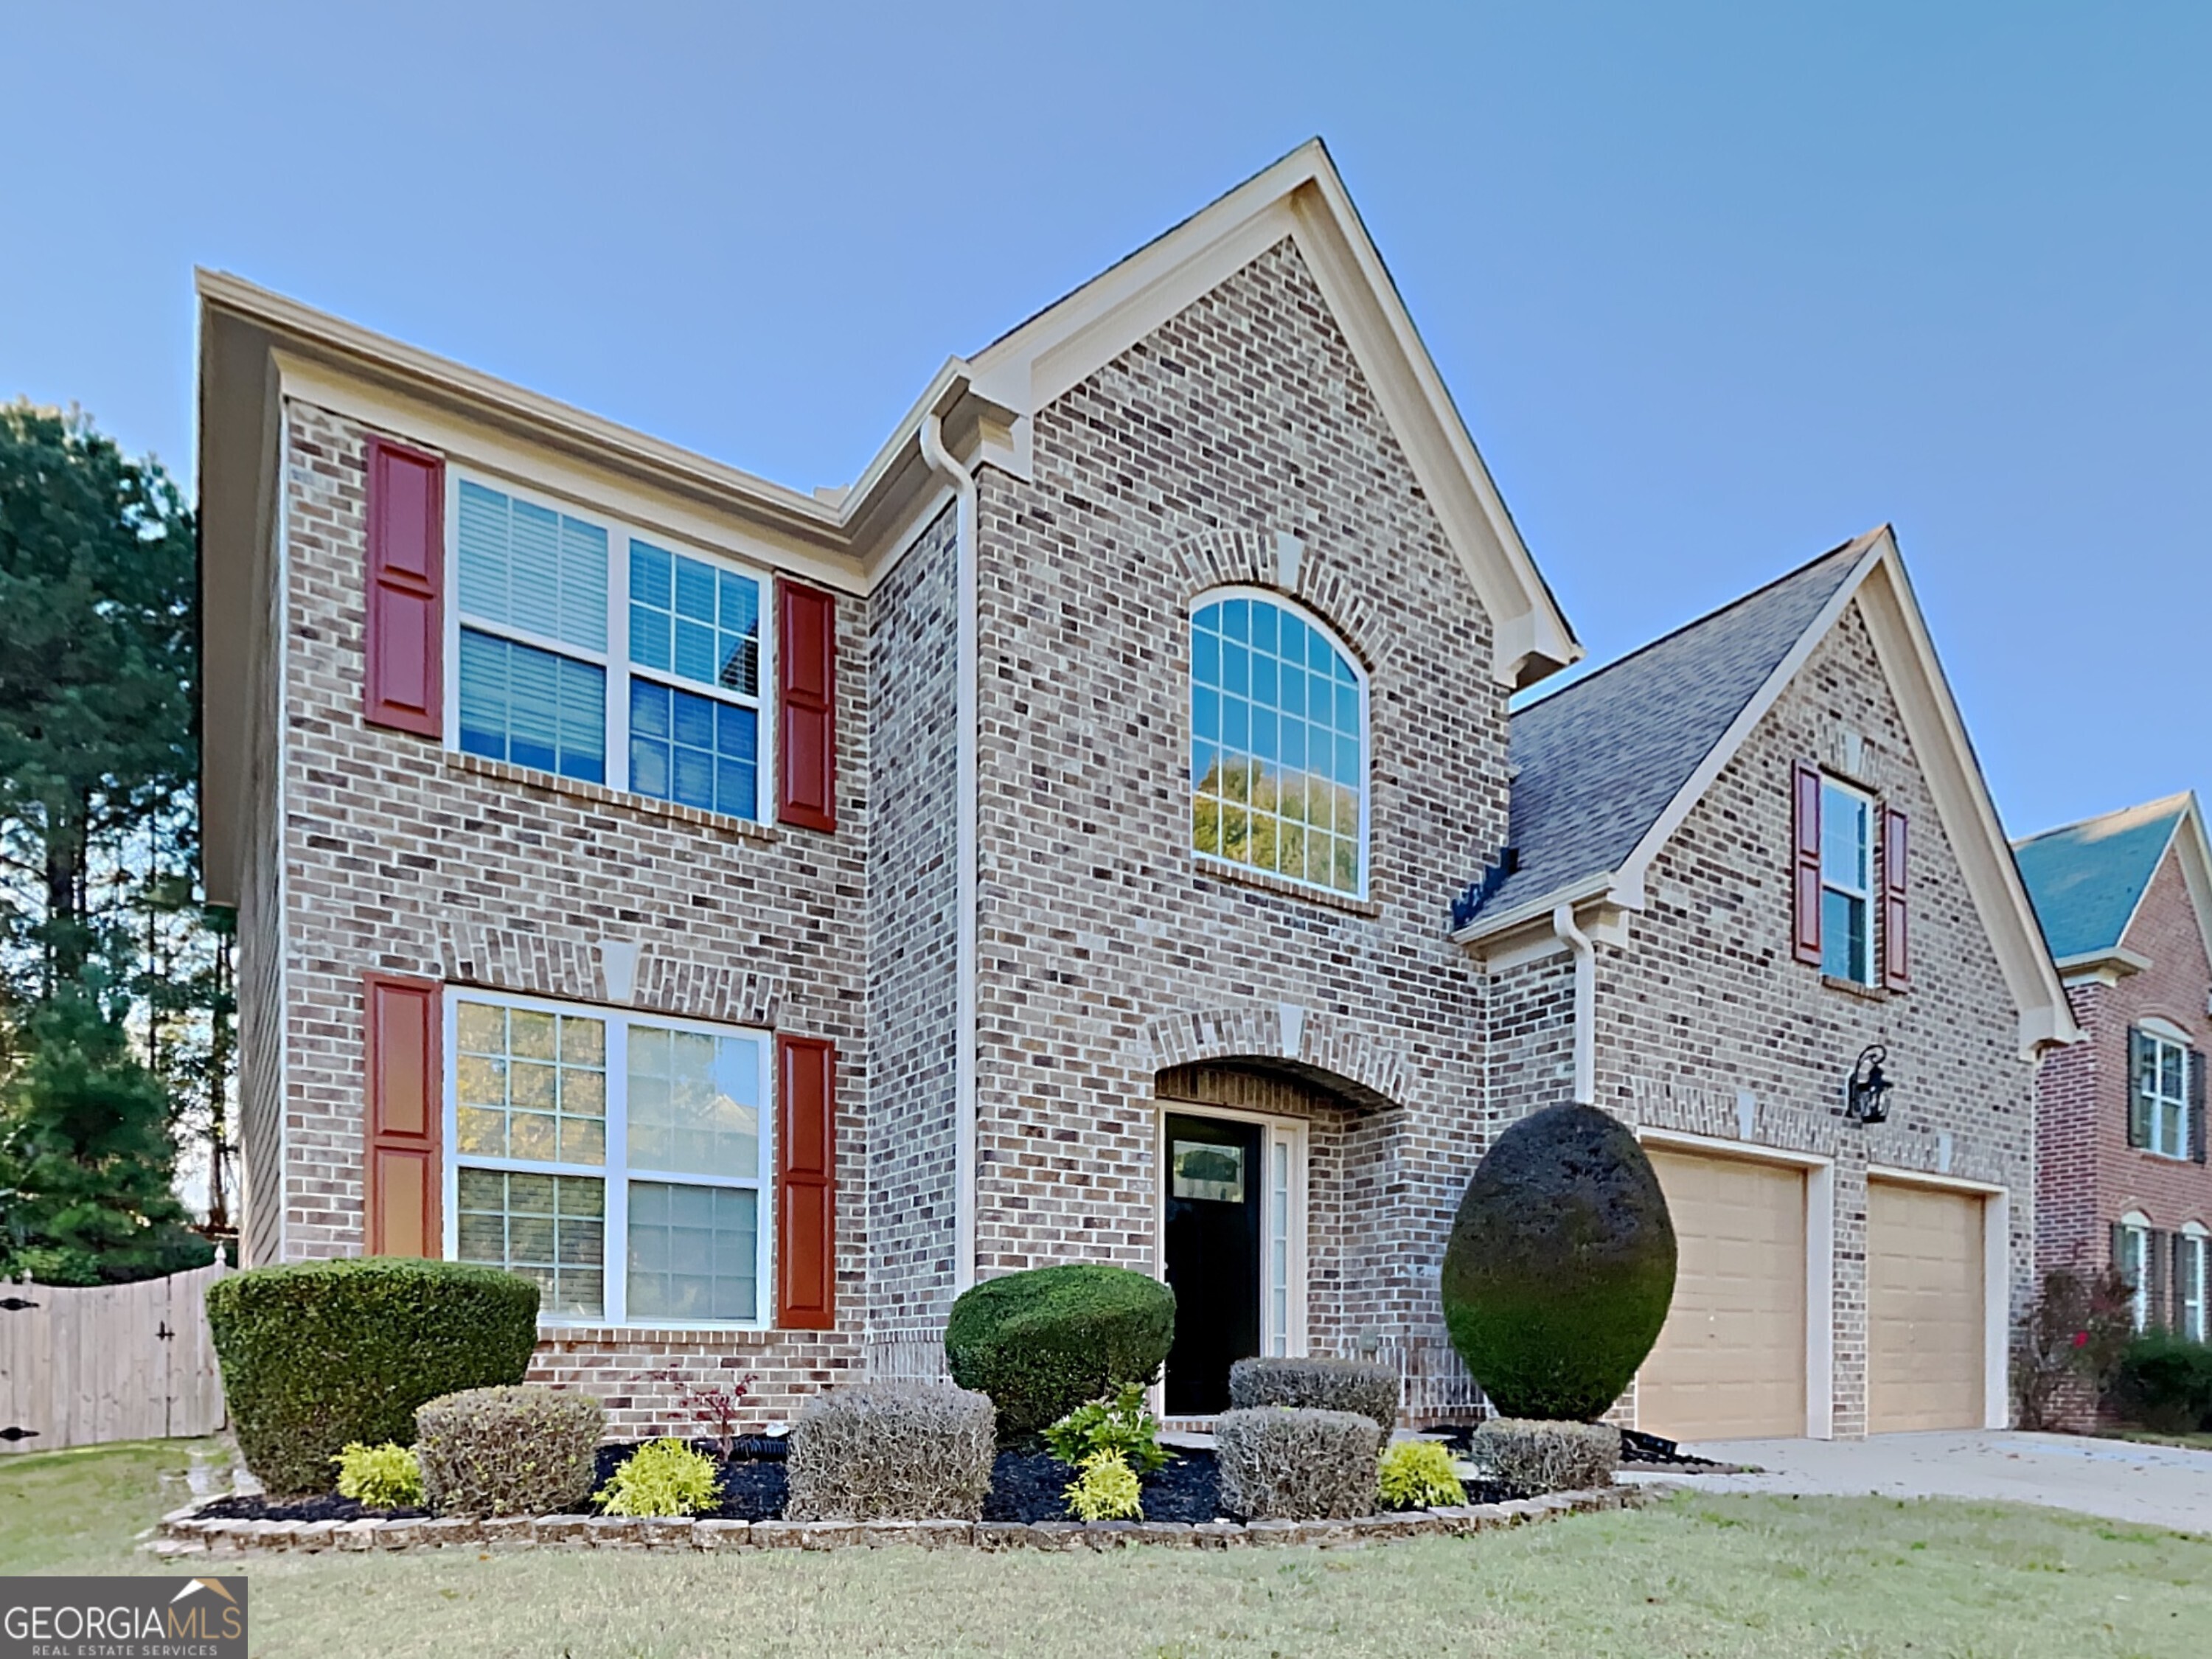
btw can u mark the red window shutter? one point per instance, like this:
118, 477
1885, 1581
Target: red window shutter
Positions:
401, 1150
806, 705
406, 631
1805, 863
1896, 932
806, 1183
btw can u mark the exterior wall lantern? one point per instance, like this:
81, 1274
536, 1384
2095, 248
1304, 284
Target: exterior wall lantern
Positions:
1866, 1093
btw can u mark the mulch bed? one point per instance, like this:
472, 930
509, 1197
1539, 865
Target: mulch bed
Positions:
1025, 1486
1646, 1450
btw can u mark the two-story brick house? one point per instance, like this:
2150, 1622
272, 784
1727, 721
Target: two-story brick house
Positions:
757, 916
2126, 901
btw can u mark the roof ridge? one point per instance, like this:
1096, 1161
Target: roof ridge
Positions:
2178, 800
1714, 615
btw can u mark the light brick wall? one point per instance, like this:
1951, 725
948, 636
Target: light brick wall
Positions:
1172, 469
913, 874
1707, 1000
401, 857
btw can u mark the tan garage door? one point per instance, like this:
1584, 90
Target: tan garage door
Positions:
1926, 1334
1731, 1362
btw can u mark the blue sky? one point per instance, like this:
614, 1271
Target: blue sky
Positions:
1716, 287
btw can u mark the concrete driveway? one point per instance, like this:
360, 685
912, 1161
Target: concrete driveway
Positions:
2158, 1485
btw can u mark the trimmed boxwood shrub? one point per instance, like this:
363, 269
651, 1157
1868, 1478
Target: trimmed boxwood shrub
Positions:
1042, 1342
1328, 1385
890, 1451
509, 1450
1561, 1265
318, 1354
1282, 1463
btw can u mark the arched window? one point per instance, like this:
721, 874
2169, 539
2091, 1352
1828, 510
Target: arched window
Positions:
1279, 743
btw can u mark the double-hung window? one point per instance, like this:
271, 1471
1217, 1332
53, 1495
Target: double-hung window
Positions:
2161, 1086
553, 606
617, 1159
1846, 882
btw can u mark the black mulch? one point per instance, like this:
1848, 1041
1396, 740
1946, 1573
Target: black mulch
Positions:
1025, 1486
1650, 1449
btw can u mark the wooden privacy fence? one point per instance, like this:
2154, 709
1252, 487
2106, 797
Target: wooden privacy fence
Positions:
113, 1362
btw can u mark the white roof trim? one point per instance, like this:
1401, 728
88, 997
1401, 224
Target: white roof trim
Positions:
1301, 197
2187, 841
1947, 762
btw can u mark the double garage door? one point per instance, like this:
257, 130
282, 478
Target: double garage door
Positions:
1731, 1362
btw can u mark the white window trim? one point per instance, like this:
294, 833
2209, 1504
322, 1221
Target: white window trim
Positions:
2135, 1226
1237, 867
1864, 893
615, 1173
2158, 1031
614, 661
2197, 1326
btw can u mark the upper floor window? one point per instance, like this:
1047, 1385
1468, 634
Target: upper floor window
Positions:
2158, 1094
1279, 744
541, 629
618, 1160
1846, 882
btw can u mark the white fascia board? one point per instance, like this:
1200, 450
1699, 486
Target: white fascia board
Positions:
1954, 777
1302, 198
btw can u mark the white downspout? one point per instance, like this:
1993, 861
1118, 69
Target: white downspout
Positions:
1562, 924
967, 657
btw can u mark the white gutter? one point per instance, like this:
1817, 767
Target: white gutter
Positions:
1562, 924
967, 657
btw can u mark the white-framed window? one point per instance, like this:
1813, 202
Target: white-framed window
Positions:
2134, 1263
586, 647
1846, 882
1279, 742
2189, 1266
619, 1159
2161, 1089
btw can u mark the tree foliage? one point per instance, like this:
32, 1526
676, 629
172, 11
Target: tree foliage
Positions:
115, 995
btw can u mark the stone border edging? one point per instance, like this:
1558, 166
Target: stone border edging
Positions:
184, 1533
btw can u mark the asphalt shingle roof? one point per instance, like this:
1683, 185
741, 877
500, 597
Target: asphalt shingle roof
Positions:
1596, 762
2085, 879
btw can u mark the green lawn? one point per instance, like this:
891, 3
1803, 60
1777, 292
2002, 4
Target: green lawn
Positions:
1733, 1575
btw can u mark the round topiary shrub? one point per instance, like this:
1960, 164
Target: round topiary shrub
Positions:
1042, 1342
318, 1354
1561, 1265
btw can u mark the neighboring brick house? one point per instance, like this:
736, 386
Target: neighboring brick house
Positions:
2126, 901
1760, 853
760, 915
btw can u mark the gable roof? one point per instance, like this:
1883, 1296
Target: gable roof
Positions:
1606, 769
1302, 198
2087, 880
1596, 763
255, 346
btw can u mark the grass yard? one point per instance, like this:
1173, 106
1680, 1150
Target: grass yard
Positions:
1723, 1576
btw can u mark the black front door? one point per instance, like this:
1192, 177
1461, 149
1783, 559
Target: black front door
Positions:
1211, 1202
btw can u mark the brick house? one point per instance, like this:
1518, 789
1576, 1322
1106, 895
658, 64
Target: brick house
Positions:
1749, 862
2126, 901
760, 915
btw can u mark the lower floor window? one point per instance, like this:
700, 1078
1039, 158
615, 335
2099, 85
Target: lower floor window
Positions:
2134, 1265
2190, 1265
616, 1159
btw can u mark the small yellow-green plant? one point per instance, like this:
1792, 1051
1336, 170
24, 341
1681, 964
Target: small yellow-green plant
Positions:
663, 1478
1121, 1425
1107, 1490
1418, 1474
386, 1477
